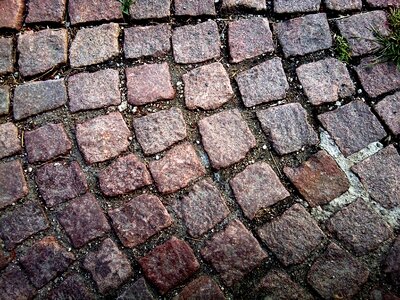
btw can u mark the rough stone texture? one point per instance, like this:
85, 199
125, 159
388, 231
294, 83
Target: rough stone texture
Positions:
287, 128
196, 43
176, 169
4, 100
257, 188
61, 181
149, 83
249, 38
389, 110
12, 183
380, 294
12, 14
263, 83
37, 97
361, 228
337, 274
82, 11
72, 288
194, 7
252, 4
293, 236
6, 55
46, 142
147, 41
383, 3
201, 288
109, 267
226, 138
207, 87
45, 260
139, 219
379, 174
353, 126
15, 285
392, 262
169, 264
343, 5
6, 258
158, 131
83, 220
9, 141
150, 9
325, 81
138, 290
202, 208
295, 6
94, 45
103, 137
124, 175
94, 90
304, 35
46, 11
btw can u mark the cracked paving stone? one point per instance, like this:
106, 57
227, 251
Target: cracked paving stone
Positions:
82, 11
4, 100
15, 285
343, 5
226, 138
294, 6
138, 290
110, 267
9, 140
194, 8
201, 288
383, 3
391, 264
12, 14
139, 219
41, 11
293, 236
169, 264
251, 4
150, 9
257, 188
13, 185
7, 57
287, 128
73, 287
389, 110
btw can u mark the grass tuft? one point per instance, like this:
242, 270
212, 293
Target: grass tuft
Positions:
342, 49
125, 5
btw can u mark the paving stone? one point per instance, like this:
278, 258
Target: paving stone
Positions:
207, 87
73, 287
392, 262
319, 179
6, 55
201, 288
82, 11
9, 141
353, 126
196, 43
139, 290
45, 260
4, 100
343, 5
379, 175
226, 138
294, 6
389, 110
325, 81
287, 128
6, 258
124, 175
263, 83
177, 169
150, 9
94, 45
94, 90
304, 35
249, 38
83, 220
46, 11
109, 267
380, 294
194, 7
12, 14
169, 264
252, 4
257, 188
33, 98
361, 228
202, 208
337, 274
149, 83
103, 137
383, 3
358, 31
139, 219
12, 183
15, 285
233, 252
147, 41
42, 51
61, 181
158, 131
46, 142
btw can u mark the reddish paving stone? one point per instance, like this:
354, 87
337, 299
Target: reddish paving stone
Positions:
4, 100
42, 51
343, 5
294, 6
94, 45
257, 188
12, 14
103, 137
263, 83
293, 236
287, 128
15, 285
9, 141
201, 288
353, 126
12, 183
149, 83
202, 208
139, 219
83, 220
109, 267
61, 181
249, 38
252, 4
361, 228
194, 7
82, 11
73, 287
177, 169
46, 11
207, 87
158, 131
383, 3
150, 9
325, 81
226, 138
6, 55
304, 35
392, 262
196, 43
389, 110
337, 274
169, 264
139, 290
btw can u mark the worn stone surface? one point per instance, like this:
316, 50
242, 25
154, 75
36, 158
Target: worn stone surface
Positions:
391, 263
6, 258
73, 287
287, 128
294, 6
194, 7
4, 100
383, 3
15, 285
252, 4
46, 11
138, 290
389, 110
150, 9
343, 5
263, 83
12, 14
6, 55
201, 288
82, 11
13, 185
9, 140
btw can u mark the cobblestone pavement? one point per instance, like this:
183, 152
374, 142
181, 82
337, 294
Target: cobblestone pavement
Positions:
197, 149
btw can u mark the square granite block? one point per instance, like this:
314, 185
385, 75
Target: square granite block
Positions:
295, 6
391, 263
73, 287
202, 288
41, 11
248, 4
7, 57
10, 143
4, 100
389, 110
138, 290
12, 14
15, 285
82, 11
194, 7
343, 5
13, 185
150, 9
